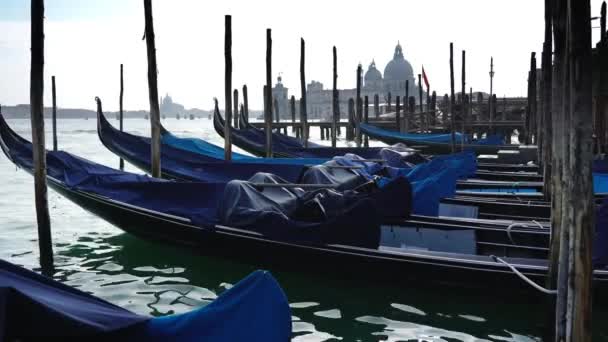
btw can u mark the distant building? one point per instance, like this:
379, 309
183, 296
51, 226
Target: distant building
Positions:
168, 107
319, 100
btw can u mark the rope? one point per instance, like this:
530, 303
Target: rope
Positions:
523, 225
523, 277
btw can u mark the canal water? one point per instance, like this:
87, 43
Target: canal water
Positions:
155, 279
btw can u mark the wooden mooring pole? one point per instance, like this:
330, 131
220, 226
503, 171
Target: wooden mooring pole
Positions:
38, 143
579, 193
292, 109
268, 95
452, 99
121, 162
573, 208
350, 132
404, 126
359, 108
54, 119
547, 76
463, 105
153, 91
245, 103
335, 104
377, 106
398, 110
303, 109
228, 88
366, 119
235, 105
423, 122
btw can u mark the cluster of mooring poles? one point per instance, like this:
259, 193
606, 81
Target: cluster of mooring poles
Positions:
567, 124
566, 119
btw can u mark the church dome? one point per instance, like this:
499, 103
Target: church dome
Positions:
372, 74
398, 69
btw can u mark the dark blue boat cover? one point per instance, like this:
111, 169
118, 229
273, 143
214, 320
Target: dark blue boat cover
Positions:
438, 138
33, 306
291, 214
180, 163
198, 201
600, 242
600, 165
215, 152
444, 138
254, 139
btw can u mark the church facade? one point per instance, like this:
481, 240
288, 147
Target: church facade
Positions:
396, 74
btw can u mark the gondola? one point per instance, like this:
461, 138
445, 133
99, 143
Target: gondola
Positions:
36, 308
185, 165
252, 140
440, 146
186, 213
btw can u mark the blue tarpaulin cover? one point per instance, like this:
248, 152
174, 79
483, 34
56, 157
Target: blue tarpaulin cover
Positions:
444, 138
196, 201
34, 306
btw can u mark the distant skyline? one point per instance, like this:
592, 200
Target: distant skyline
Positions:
87, 40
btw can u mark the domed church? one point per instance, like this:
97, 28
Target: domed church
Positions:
319, 100
396, 73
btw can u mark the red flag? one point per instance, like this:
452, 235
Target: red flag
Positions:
426, 80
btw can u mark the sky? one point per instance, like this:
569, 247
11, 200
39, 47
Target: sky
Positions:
86, 41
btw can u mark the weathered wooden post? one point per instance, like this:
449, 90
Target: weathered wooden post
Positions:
452, 99
335, 104
235, 102
532, 99
600, 85
433, 106
54, 114
423, 121
359, 107
350, 132
581, 219
292, 107
121, 162
153, 91
412, 110
38, 149
398, 112
228, 88
464, 116
388, 108
446, 107
491, 109
559, 236
366, 119
245, 103
376, 106
268, 95
406, 112
303, 109
275, 105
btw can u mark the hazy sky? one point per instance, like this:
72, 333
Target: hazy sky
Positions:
87, 40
